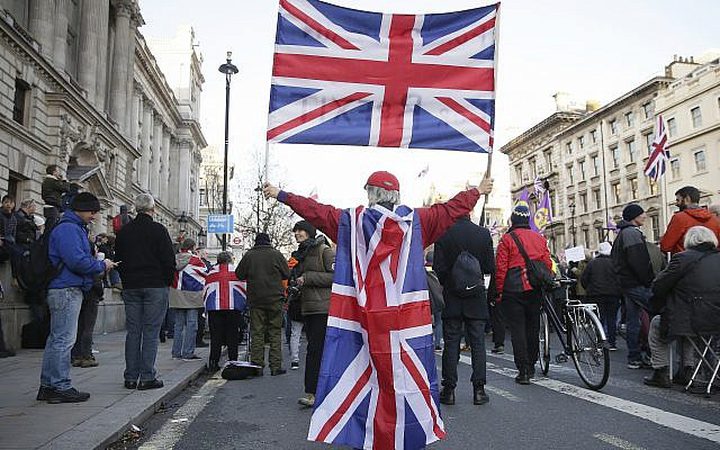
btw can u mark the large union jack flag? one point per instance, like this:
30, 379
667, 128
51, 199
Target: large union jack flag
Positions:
342, 76
223, 290
192, 277
378, 382
660, 155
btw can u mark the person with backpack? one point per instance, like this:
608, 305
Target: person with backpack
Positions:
70, 254
601, 285
121, 219
523, 262
463, 257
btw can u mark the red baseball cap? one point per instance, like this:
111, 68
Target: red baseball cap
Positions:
383, 180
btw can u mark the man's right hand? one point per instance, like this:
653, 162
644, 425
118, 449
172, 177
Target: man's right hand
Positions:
486, 186
270, 191
109, 264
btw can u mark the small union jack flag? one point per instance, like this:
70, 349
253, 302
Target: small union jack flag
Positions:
378, 383
223, 290
343, 76
192, 277
660, 155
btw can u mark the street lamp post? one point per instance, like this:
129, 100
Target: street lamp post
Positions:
229, 69
572, 223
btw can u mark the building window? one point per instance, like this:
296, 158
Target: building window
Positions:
672, 127
568, 148
533, 168
586, 237
613, 127
652, 187
581, 142
631, 149
600, 233
700, 165
629, 119
21, 102
581, 166
571, 174
597, 200
675, 168
648, 109
696, 116
583, 202
518, 174
655, 225
72, 37
617, 193
203, 197
596, 165
634, 188
649, 142
548, 161
593, 135
615, 153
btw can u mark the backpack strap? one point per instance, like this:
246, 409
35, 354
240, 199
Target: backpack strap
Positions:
520, 248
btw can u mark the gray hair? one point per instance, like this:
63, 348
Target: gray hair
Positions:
27, 203
224, 258
144, 203
380, 195
699, 235
714, 209
188, 244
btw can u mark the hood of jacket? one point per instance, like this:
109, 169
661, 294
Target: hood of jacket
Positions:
699, 214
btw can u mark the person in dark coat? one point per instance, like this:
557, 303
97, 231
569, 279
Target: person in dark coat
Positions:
634, 268
265, 269
520, 301
601, 287
691, 275
52, 190
144, 252
471, 311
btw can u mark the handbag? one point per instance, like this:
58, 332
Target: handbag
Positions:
539, 276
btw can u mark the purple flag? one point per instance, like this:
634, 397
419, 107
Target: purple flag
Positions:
543, 214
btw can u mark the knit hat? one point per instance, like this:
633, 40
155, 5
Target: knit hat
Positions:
604, 248
85, 201
631, 211
307, 227
262, 239
383, 180
520, 215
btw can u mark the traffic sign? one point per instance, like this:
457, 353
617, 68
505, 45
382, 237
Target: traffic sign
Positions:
220, 223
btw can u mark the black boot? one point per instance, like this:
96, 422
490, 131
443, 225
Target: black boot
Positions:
447, 396
479, 395
683, 375
660, 378
523, 377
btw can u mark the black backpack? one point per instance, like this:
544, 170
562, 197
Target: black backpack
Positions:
34, 269
467, 276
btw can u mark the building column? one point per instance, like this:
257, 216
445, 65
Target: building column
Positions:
183, 171
155, 174
173, 171
119, 69
135, 115
103, 33
147, 123
165, 166
61, 24
135, 21
42, 25
87, 47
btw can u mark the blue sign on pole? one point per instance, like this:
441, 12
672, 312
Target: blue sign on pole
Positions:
220, 223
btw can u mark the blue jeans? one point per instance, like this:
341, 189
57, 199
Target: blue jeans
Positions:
144, 313
186, 323
634, 298
64, 307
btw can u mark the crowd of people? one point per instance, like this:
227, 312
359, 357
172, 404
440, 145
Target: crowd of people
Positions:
474, 288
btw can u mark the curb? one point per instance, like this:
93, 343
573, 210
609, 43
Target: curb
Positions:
108, 426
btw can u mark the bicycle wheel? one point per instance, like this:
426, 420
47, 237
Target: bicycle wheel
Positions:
589, 352
544, 347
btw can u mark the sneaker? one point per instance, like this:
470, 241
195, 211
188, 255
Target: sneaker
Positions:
71, 395
498, 349
130, 384
192, 358
308, 400
76, 362
152, 384
634, 364
88, 362
44, 393
294, 365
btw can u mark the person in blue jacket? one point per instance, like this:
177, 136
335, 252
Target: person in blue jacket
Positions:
69, 252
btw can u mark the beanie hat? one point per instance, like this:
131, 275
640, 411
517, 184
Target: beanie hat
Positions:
631, 211
85, 201
383, 180
262, 239
604, 248
520, 215
307, 227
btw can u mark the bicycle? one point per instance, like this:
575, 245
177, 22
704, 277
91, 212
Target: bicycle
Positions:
581, 335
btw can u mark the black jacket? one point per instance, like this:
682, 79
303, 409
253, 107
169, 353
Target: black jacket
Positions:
53, 189
26, 231
145, 253
686, 278
264, 268
464, 235
599, 279
631, 258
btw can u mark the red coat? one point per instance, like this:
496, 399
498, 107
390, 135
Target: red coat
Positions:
511, 274
672, 240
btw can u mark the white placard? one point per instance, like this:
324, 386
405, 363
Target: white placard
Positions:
575, 254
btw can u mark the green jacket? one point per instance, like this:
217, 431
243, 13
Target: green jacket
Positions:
264, 269
317, 269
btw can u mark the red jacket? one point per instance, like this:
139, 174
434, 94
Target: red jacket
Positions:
672, 241
511, 274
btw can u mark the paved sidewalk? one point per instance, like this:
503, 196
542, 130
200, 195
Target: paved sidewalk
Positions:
28, 423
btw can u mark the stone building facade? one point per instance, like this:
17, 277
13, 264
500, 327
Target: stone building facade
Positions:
80, 88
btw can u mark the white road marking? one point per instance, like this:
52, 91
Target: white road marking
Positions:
616, 441
503, 393
171, 432
667, 419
